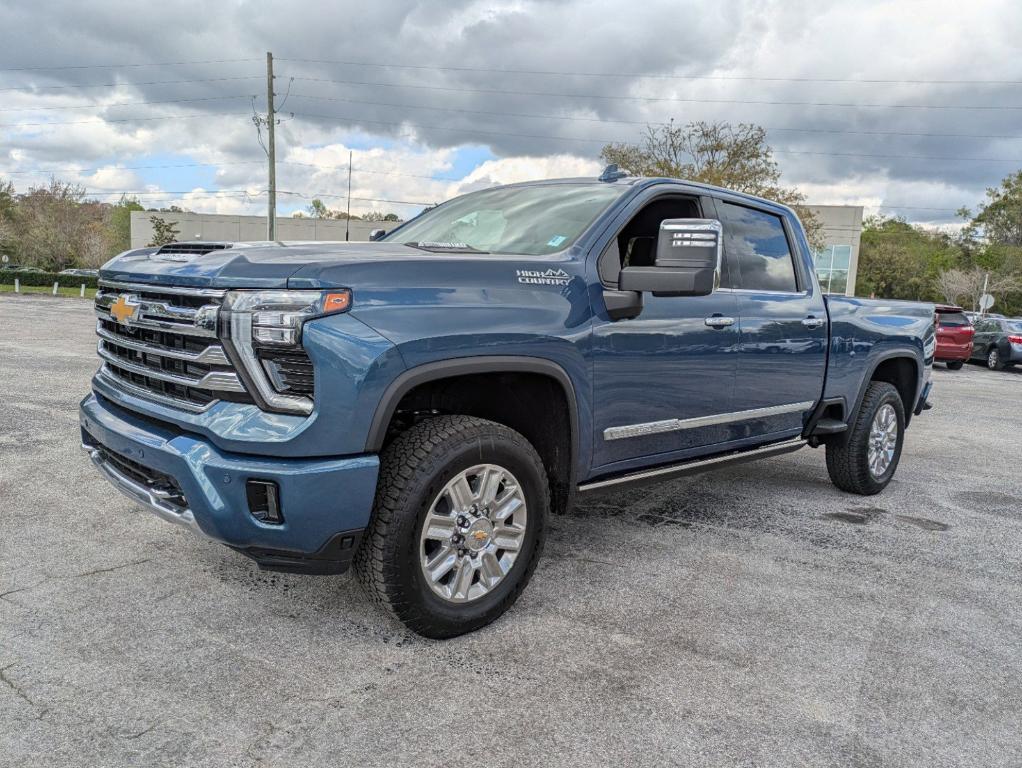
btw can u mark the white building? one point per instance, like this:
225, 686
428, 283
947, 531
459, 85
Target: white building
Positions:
213, 226
838, 262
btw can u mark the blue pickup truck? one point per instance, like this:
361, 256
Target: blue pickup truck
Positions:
417, 406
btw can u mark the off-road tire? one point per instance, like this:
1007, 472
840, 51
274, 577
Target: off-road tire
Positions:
848, 461
955, 365
413, 470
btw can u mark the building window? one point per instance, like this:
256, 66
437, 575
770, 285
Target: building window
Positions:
832, 268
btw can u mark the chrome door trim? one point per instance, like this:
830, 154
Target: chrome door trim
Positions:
674, 425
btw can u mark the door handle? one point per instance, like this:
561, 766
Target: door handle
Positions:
718, 321
813, 322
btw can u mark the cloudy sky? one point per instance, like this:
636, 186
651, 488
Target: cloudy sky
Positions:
909, 108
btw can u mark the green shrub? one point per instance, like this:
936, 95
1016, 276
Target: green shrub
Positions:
7, 277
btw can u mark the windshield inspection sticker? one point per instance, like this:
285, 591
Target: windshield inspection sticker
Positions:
546, 277
556, 240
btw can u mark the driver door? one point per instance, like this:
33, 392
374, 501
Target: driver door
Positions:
662, 378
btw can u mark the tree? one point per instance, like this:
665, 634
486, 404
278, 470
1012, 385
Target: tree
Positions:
900, 261
722, 154
970, 284
1000, 217
380, 216
953, 284
56, 227
8, 243
164, 232
318, 210
119, 227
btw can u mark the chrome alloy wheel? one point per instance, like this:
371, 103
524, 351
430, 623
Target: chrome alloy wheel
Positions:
883, 440
473, 533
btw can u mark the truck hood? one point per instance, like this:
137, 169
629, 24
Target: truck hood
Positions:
276, 265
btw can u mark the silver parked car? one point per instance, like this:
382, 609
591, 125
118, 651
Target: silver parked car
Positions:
998, 341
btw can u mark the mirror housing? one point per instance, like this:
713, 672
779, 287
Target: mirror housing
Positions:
688, 260
376, 234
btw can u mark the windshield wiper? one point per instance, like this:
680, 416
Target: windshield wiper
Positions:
444, 247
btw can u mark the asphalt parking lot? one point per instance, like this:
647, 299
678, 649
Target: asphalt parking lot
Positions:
756, 616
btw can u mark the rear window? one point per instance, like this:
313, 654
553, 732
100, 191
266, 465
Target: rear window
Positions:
1014, 326
953, 320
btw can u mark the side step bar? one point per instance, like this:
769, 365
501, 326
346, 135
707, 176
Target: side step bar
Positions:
691, 467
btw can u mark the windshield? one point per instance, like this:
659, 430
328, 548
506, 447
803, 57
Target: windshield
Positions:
531, 221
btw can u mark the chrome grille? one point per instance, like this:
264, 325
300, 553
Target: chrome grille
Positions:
167, 348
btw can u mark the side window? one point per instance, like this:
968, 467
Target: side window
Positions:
635, 244
757, 243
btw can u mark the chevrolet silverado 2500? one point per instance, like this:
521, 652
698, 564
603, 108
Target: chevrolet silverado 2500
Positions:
418, 405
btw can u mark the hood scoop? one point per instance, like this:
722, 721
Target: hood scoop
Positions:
184, 252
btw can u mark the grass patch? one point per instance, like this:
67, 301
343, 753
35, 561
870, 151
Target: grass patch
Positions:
74, 293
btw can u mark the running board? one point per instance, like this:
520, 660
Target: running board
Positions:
692, 467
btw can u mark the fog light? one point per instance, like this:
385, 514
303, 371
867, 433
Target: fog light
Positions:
264, 501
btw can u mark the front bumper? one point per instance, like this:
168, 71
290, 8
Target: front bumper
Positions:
326, 502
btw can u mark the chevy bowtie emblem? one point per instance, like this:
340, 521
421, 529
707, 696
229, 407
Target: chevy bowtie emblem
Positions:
125, 309
479, 535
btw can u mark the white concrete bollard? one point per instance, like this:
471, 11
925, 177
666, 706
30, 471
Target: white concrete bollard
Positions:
55, 288
83, 291
17, 285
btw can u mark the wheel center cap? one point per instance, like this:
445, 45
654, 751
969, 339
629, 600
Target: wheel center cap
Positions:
479, 534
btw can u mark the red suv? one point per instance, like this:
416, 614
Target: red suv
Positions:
954, 336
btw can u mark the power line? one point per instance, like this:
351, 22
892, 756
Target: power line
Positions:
125, 66
615, 97
657, 76
192, 193
575, 118
357, 121
32, 88
359, 169
126, 103
127, 167
101, 121
329, 196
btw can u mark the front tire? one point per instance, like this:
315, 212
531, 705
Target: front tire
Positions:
457, 526
866, 461
994, 359
955, 365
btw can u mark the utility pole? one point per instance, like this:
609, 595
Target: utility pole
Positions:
271, 152
347, 221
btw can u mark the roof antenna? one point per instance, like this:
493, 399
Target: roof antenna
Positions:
611, 173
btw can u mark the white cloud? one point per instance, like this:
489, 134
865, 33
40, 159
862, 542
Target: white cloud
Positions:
513, 76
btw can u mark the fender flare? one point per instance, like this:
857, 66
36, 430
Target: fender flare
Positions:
462, 366
882, 358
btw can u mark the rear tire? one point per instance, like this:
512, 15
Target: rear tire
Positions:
994, 359
419, 476
851, 464
955, 365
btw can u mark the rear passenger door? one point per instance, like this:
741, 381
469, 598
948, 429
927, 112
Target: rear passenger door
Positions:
986, 331
782, 323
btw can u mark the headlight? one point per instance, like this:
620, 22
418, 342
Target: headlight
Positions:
258, 326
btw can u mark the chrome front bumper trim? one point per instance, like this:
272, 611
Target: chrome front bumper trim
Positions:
147, 497
217, 381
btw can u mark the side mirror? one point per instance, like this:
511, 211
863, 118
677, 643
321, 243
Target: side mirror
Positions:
376, 234
687, 263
